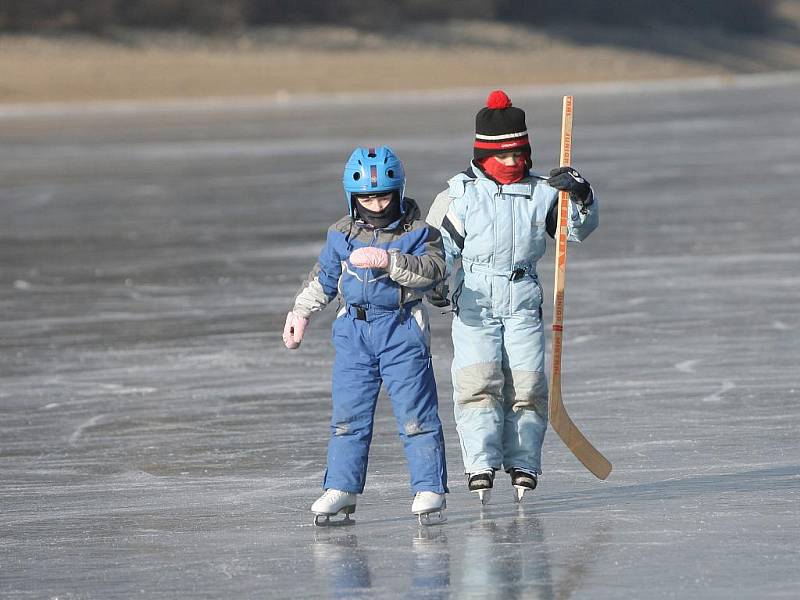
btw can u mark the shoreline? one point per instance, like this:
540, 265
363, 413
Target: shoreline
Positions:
284, 100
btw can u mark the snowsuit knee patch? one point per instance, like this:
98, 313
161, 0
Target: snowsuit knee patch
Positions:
479, 385
526, 390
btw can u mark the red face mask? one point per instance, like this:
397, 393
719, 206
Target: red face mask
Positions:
504, 173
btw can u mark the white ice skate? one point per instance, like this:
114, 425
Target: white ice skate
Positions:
522, 481
331, 503
429, 508
481, 483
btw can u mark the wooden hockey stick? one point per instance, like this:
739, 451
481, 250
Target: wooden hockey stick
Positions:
559, 419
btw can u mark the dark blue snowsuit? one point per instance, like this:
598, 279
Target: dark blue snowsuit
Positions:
381, 336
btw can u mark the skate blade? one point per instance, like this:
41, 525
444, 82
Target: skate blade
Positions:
432, 518
484, 496
520, 493
324, 520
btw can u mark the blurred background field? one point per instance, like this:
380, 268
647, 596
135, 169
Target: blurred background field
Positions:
69, 50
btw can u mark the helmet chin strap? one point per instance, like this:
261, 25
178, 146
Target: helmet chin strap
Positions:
382, 218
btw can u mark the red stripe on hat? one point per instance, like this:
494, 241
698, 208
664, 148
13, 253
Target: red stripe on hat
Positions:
502, 144
373, 175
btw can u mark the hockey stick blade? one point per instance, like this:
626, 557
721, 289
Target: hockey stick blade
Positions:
588, 455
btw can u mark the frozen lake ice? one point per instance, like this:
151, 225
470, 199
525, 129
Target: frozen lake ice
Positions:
157, 440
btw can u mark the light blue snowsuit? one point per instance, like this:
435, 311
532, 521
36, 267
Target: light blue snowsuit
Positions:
500, 390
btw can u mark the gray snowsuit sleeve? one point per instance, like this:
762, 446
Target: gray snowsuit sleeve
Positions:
424, 266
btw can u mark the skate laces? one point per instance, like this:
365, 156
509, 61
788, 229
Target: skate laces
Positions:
523, 476
523, 473
481, 480
331, 494
427, 495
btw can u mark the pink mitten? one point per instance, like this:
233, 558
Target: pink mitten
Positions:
370, 258
293, 330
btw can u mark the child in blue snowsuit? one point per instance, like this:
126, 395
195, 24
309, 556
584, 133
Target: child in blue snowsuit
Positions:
494, 217
381, 258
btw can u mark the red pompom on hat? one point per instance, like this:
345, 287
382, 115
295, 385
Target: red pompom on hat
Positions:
500, 127
498, 99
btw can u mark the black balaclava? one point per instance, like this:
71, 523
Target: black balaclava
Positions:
380, 219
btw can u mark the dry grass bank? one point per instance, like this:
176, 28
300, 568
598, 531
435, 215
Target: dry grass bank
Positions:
301, 60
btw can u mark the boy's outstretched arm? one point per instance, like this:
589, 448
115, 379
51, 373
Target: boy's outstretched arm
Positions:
321, 285
319, 289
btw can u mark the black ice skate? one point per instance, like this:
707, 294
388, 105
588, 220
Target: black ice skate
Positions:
331, 503
481, 483
523, 481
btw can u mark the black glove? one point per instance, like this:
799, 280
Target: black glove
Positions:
569, 180
438, 295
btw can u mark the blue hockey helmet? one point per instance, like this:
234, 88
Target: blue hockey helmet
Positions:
373, 171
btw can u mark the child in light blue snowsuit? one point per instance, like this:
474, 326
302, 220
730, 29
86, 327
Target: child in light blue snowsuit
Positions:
494, 217
380, 258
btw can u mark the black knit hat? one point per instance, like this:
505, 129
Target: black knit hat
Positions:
500, 127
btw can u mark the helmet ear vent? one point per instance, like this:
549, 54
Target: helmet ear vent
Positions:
356, 175
390, 173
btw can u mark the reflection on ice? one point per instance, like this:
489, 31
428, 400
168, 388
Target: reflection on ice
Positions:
502, 556
506, 559
430, 567
339, 559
